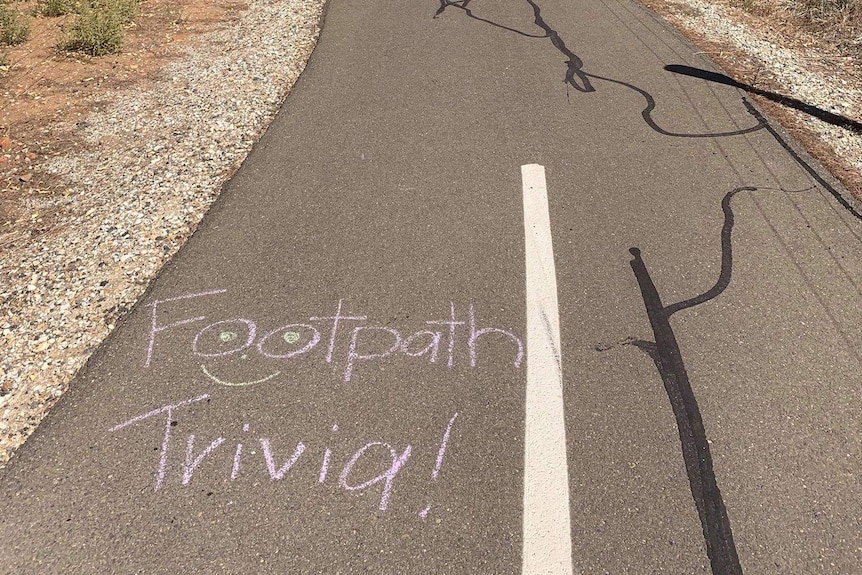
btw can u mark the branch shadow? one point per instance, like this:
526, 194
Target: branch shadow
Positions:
670, 364
577, 77
788, 101
463, 5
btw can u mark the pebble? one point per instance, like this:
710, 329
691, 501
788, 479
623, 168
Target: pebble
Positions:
130, 205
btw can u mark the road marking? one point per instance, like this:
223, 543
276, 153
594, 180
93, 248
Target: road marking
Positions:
547, 525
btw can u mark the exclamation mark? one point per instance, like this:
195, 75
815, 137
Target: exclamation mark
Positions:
439, 464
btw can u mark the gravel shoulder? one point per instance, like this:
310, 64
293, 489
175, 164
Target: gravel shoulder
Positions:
155, 156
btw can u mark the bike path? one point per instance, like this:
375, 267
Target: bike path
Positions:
706, 306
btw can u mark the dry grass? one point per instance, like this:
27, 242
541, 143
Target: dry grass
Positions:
94, 27
838, 22
827, 12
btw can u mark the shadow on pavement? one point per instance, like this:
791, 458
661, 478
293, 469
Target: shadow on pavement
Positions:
826, 116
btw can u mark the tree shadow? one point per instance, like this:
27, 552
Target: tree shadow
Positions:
668, 359
788, 101
580, 79
670, 364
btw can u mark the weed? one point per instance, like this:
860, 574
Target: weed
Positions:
747, 5
100, 27
14, 26
127, 10
55, 7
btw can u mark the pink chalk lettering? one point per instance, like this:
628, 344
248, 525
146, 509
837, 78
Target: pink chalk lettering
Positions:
250, 326
192, 464
433, 345
387, 476
353, 356
163, 456
364, 345
156, 328
335, 321
270, 462
475, 334
235, 469
194, 460
442, 451
439, 463
327, 456
324, 469
285, 328
452, 323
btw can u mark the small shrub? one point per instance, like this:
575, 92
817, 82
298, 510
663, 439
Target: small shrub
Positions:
126, 10
100, 27
14, 26
55, 7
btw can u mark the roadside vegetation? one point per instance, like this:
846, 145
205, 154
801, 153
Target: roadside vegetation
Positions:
835, 21
100, 26
54, 8
94, 27
843, 13
14, 25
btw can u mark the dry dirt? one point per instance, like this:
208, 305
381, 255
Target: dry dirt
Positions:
44, 88
108, 164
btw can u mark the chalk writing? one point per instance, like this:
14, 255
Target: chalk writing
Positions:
155, 328
168, 411
354, 356
277, 462
387, 476
270, 462
234, 471
192, 464
237, 383
335, 320
327, 456
438, 464
353, 341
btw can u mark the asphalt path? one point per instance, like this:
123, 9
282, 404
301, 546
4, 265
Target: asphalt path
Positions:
389, 348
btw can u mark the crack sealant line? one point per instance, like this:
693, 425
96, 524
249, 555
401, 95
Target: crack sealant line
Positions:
547, 540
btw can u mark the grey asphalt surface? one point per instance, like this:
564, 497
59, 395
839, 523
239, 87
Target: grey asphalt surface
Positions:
390, 181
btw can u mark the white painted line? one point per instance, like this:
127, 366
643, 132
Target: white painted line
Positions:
547, 530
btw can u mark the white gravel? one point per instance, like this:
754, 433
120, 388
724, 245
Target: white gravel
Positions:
162, 154
808, 77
